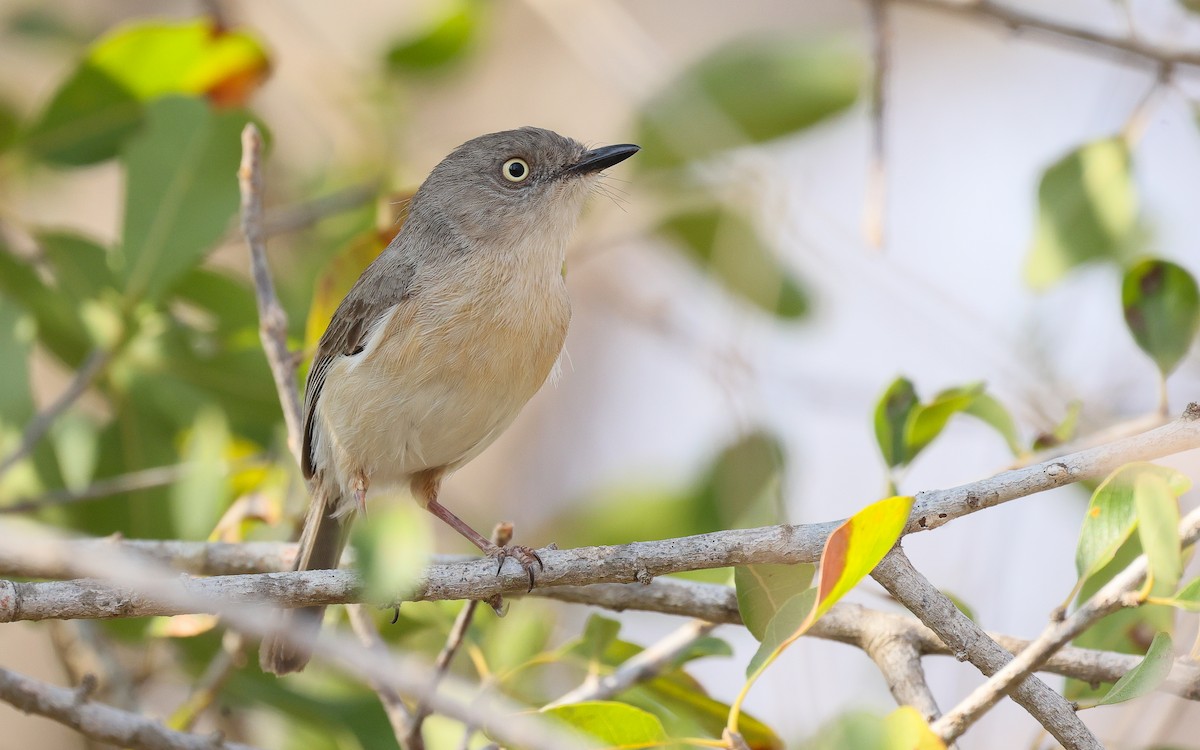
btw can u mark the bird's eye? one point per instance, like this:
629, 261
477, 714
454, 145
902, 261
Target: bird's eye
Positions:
515, 170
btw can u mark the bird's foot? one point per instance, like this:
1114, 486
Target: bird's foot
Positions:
526, 556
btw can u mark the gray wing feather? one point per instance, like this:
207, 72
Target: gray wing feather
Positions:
386, 283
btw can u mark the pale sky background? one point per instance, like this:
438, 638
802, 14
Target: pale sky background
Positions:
664, 369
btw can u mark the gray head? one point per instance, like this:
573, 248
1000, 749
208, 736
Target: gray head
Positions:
514, 183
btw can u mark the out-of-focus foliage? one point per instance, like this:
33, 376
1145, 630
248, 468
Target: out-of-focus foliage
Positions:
903, 729
443, 43
762, 590
727, 246
1162, 310
1087, 211
904, 426
710, 107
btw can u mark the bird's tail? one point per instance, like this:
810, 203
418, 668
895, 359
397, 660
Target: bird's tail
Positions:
321, 543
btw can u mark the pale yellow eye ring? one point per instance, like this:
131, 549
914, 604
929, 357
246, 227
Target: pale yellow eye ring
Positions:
515, 170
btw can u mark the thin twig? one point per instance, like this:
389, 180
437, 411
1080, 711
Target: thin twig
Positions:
304, 215
645, 665
989, 11
273, 324
970, 643
96, 361
398, 714
99, 721
875, 209
501, 536
144, 479
1117, 593
229, 659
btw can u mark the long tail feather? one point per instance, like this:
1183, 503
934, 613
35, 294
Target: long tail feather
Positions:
321, 545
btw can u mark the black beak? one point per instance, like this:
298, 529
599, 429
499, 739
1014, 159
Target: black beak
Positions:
602, 158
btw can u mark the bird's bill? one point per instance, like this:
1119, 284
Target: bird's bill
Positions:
603, 158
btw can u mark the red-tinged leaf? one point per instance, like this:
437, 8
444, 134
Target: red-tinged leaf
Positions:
851, 553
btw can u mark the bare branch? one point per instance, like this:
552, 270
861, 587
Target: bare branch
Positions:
272, 319
989, 11
99, 721
896, 651
970, 643
647, 664
1117, 593
508, 723
875, 210
231, 656
41, 422
135, 480
303, 215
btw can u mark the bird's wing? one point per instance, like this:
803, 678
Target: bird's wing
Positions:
385, 284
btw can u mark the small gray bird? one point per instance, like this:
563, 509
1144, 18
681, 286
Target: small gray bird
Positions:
441, 342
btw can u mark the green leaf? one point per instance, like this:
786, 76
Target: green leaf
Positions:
16, 400
903, 729
1162, 310
444, 42
1187, 598
200, 497
86, 121
1158, 529
1087, 211
59, 326
927, 421
709, 108
598, 635
985, 407
181, 191
80, 264
392, 550
762, 591
1111, 515
74, 436
726, 246
791, 618
192, 57
1128, 630
742, 486
8, 125
1147, 675
891, 415
611, 723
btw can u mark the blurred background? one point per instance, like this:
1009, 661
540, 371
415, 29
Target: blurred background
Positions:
744, 291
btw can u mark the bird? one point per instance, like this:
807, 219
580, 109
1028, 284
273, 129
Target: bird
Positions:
439, 344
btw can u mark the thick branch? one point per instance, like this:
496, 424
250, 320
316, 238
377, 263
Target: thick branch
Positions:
970, 643
988, 11
1117, 593
99, 721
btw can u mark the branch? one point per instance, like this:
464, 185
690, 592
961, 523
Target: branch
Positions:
646, 665
99, 721
970, 643
988, 11
41, 422
626, 563
1117, 593
508, 723
896, 651
157, 476
273, 324
304, 215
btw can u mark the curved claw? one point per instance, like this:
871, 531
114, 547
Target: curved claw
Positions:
523, 555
